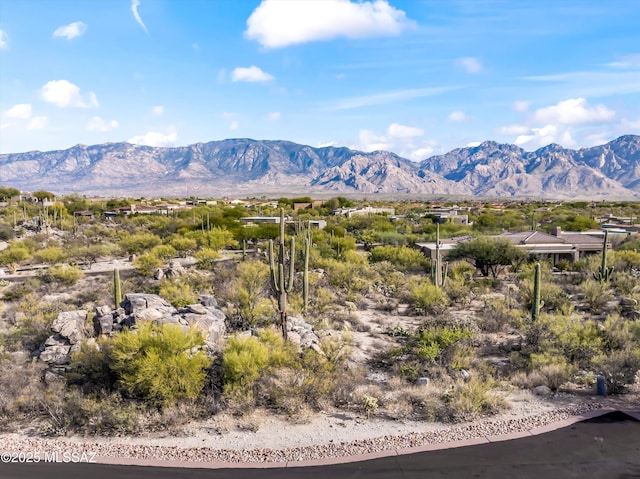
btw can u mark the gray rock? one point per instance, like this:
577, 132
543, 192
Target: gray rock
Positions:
542, 391
422, 381
136, 303
58, 354
103, 324
103, 311
196, 309
159, 274
70, 325
208, 300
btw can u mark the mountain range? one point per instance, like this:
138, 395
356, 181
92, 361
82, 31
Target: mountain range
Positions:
281, 168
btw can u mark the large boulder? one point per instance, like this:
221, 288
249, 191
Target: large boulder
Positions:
70, 325
147, 306
56, 351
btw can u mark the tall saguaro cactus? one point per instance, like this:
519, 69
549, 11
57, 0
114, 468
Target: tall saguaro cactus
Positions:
117, 288
440, 269
536, 304
281, 283
305, 271
603, 275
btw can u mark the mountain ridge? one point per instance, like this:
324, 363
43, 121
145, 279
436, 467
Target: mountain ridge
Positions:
245, 166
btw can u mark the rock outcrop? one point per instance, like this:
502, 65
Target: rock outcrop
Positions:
68, 329
138, 307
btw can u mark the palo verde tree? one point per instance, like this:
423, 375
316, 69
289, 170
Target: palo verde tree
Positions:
487, 255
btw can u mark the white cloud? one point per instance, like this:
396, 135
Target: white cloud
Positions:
406, 141
421, 153
370, 141
627, 61
98, 124
234, 125
458, 116
521, 105
70, 31
514, 130
386, 97
574, 111
327, 144
157, 110
396, 130
251, 74
37, 123
155, 138
276, 24
545, 135
274, 115
134, 9
470, 64
473, 144
21, 111
3, 39
63, 93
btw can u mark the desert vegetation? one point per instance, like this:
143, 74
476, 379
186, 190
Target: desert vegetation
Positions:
351, 316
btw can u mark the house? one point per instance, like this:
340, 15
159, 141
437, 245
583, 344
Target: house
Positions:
557, 246
365, 211
83, 214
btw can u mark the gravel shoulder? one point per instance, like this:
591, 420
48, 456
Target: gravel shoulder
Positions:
262, 438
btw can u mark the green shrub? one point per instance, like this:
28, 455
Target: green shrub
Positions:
245, 358
405, 258
147, 263
178, 293
468, 401
428, 298
63, 274
619, 368
157, 363
596, 294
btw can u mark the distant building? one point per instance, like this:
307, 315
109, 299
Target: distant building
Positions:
559, 245
365, 211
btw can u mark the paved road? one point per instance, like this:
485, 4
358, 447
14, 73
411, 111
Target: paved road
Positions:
607, 447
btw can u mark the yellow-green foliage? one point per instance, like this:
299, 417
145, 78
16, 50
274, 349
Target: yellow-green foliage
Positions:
468, 401
51, 255
551, 293
206, 258
178, 293
428, 298
405, 258
351, 275
596, 294
147, 263
63, 274
139, 243
249, 291
625, 259
570, 337
164, 251
160, 364
245, 358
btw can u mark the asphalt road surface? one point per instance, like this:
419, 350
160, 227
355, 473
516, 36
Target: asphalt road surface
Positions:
606, 447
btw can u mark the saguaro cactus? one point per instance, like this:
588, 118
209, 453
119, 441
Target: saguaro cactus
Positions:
439, 269
117, 288
603, 275
536, 304
305, 272
280, 283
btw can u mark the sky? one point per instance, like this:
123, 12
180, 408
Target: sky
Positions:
418, 78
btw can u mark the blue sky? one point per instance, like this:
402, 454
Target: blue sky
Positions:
414, 77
